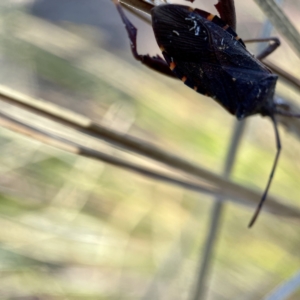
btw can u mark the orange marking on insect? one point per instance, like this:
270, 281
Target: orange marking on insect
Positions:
191, 9
237, 38
162, 49
226, 27
195, 88
184, 78
172, 65
210, 17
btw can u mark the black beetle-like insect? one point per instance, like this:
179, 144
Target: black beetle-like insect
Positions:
208, 56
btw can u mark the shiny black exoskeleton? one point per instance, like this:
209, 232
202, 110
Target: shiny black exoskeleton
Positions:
209, 57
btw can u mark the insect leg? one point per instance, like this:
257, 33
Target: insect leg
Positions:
264, 196
155, 62
227, 13
269, 49
287, 113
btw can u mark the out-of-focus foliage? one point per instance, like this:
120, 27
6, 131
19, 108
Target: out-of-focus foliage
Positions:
73, 228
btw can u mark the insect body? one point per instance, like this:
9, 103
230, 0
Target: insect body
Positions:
209, 57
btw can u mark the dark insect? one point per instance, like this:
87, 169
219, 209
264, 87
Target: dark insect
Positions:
208, 56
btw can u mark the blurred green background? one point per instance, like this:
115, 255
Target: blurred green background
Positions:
75, 228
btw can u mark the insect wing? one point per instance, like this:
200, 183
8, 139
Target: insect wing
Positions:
186, 43
209, 57
181, 34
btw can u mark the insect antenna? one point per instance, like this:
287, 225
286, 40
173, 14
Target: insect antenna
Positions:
264, 196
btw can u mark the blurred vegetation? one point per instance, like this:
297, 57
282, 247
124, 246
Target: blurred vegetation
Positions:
74, 228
